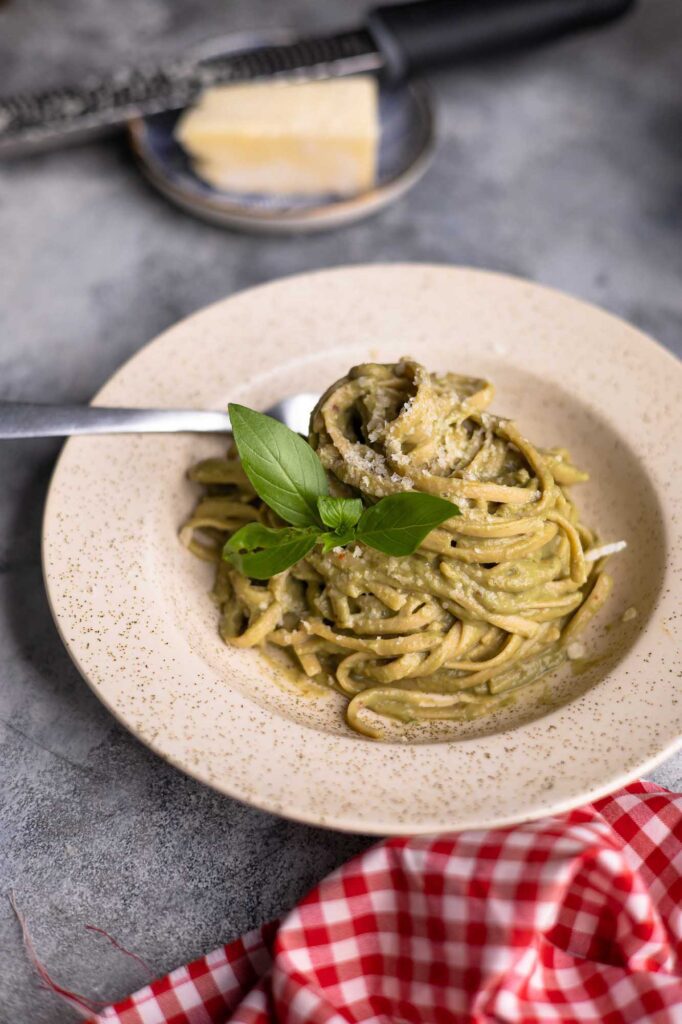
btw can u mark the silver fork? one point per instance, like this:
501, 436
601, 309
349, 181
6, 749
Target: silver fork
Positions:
29, 419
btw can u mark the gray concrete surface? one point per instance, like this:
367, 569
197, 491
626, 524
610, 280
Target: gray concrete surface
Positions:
564, 165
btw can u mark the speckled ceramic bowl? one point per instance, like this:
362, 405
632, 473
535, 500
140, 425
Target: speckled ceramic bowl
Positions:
133, 609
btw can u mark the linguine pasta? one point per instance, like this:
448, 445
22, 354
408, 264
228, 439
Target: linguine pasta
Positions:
490, 602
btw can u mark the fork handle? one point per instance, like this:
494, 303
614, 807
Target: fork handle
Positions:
31, 419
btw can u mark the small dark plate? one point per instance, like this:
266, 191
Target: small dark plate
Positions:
405, 150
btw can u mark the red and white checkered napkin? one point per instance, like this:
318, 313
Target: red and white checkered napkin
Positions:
575, 918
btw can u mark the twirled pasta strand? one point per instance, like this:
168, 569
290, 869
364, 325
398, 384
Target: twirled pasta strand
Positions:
482, 610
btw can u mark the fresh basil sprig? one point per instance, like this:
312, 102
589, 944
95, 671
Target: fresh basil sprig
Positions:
339, 514
283, 468
262, 552
399, 523
288, 476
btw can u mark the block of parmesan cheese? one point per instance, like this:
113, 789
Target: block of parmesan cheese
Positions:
285, 138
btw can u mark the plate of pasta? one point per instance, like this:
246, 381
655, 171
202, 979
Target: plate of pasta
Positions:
450, 605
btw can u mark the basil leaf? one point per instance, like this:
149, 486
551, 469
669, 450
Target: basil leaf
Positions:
398, 524
339, 514
283, 468
260, 552
336, 540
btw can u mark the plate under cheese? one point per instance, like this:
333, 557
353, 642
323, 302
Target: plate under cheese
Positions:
285, 138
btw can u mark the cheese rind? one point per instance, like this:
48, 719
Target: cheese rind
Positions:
285, 138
